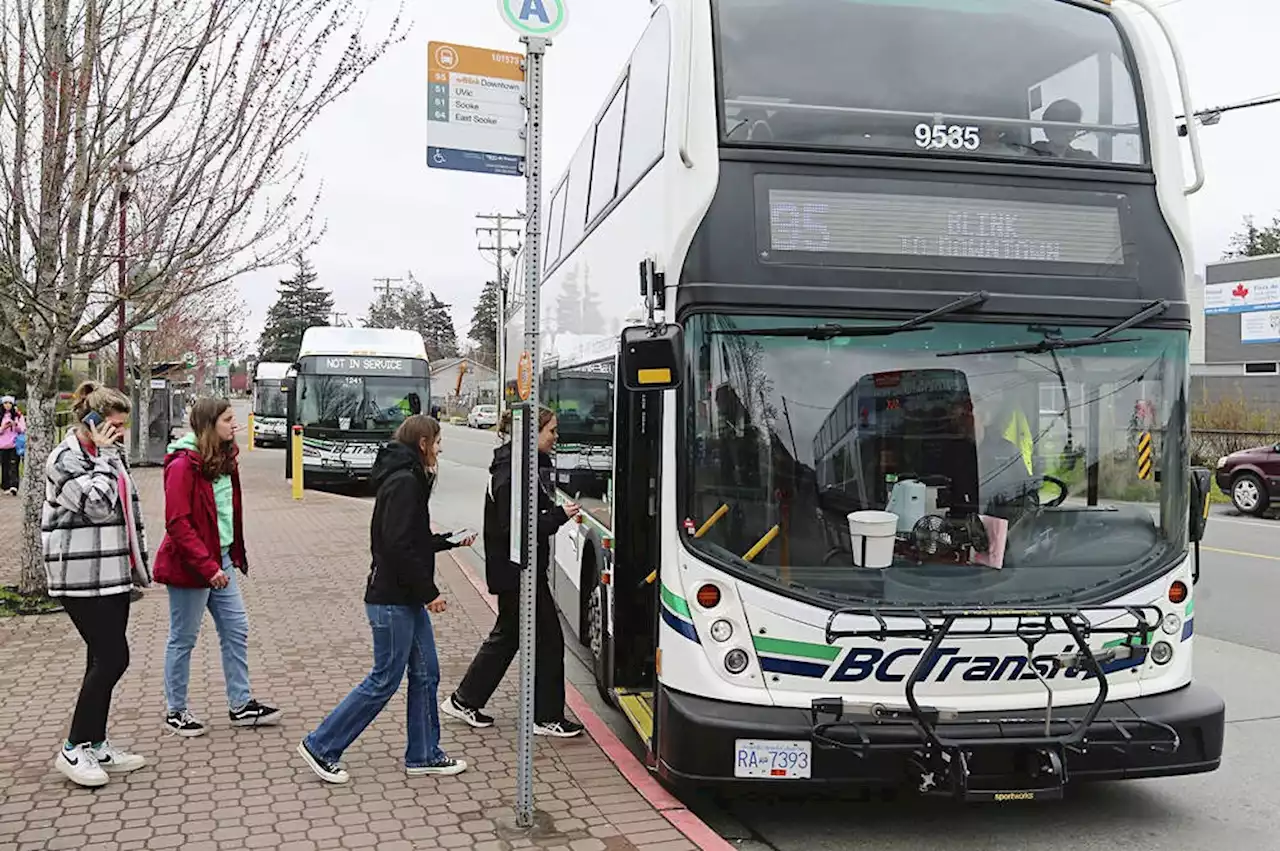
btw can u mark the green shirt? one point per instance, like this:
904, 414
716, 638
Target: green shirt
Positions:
222, 495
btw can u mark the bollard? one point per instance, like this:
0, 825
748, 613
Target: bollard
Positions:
296, 451
251, 439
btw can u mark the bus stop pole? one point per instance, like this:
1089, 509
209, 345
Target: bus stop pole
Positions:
535, 49
251, 441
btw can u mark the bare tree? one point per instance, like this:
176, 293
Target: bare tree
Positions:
169, 120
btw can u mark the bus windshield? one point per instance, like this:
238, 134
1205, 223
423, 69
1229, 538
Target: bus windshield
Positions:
268, 399
1027, 79
1014, 476
362, 403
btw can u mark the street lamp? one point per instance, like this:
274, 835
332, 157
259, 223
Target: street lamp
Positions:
124, 186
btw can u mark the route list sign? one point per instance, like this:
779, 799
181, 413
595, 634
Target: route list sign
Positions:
475, 113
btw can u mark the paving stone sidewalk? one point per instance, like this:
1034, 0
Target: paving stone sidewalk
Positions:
309, 645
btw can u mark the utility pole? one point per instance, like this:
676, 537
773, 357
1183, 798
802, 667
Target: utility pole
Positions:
336, 317
495, 233
387, 285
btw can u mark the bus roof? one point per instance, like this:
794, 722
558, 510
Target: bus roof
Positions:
375, 342
270, 371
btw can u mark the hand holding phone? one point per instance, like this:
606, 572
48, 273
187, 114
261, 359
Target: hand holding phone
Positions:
462, 538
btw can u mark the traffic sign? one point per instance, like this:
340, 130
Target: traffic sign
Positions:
536, 18
475, 109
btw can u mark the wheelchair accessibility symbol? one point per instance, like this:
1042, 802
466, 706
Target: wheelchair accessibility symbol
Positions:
438, 158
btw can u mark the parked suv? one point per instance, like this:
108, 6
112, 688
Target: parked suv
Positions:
1251, 477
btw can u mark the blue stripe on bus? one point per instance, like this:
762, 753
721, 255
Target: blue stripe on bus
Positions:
681, 626
1188, 628
794, 668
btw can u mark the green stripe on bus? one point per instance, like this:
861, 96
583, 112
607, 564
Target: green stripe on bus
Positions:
677, 604
796, 648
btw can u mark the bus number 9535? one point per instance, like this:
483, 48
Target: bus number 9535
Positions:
953, 136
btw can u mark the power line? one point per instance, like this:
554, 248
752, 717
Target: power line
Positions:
386, 285
1212, 115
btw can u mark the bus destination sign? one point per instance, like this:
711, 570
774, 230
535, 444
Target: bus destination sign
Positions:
825, 222
363, 365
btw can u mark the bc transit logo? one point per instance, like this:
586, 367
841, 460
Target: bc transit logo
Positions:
948, 664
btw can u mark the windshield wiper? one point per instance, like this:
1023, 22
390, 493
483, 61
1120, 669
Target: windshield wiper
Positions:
1055, 344
831, 330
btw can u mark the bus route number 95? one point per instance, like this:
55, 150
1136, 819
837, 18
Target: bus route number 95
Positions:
953, 136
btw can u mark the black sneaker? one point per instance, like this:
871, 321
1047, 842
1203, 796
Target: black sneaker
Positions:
254, 714
184, 724
562, 729
329, 772
474, 717
446, 766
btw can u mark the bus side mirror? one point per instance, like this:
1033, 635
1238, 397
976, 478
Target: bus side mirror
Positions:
1201, 484
651, 358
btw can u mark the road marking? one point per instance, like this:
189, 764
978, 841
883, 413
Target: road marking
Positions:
1264, 524
1240, 553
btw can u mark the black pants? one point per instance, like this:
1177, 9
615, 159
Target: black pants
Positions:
102, 622
8, 469
502, 645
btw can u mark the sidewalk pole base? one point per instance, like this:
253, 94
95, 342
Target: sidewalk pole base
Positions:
544, 827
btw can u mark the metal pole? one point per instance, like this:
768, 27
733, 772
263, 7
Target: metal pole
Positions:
120, 314
535, 48
499, 353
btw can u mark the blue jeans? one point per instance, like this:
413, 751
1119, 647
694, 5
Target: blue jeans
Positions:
402, 638
186, 611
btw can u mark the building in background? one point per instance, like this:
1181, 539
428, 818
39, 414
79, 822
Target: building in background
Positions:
458, 384
1235, 338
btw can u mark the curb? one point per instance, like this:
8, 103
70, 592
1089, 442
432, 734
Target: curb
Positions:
681, 818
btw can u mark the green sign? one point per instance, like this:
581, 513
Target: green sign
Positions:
537, 18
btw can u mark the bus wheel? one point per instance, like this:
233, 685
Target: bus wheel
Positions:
597, 637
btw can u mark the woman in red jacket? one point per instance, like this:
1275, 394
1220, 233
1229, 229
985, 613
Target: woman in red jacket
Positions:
198, 559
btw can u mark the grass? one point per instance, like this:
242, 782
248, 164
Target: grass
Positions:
14, 604
1216, 495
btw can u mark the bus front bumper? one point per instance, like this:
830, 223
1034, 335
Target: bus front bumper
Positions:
699, 742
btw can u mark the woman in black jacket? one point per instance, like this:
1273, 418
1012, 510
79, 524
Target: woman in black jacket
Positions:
401, 590
503, 575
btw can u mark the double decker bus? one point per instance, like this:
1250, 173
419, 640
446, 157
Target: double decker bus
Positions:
918, 260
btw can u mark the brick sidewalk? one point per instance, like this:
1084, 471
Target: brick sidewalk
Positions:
309, 645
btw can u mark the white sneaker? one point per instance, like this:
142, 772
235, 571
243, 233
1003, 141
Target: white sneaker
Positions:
80, 766
115, 761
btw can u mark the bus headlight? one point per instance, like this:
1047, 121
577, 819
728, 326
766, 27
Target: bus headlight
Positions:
1171, 624
722, 631
1161, 652
736, 661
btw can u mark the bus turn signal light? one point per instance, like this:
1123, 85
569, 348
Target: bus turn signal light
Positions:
1177, 592
708, 596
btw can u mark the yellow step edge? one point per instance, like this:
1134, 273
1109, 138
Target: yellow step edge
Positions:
638, 707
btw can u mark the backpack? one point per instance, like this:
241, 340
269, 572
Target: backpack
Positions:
21, 445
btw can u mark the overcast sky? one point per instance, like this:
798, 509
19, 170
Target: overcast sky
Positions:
388, 214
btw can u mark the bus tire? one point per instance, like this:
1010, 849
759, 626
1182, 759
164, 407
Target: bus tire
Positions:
595, 634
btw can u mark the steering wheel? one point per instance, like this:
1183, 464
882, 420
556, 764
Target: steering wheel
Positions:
1063, 491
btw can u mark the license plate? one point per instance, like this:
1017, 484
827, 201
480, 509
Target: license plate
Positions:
769, 758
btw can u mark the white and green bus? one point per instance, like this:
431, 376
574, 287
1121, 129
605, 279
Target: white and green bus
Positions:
270, 404
892, 297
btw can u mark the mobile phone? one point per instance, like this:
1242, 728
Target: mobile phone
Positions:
92, 419
461, 535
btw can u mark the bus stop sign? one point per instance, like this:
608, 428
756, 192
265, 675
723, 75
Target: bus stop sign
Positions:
535, 18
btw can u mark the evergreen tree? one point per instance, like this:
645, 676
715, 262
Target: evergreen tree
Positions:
568, 315
484, 324
592, 319
438, 331
1255, 241
386, 311
301, 304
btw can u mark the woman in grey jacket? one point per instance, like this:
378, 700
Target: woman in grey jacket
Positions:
95, 552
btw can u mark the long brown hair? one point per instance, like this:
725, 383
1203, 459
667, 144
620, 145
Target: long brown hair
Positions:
544, 416
217, 456
416, 429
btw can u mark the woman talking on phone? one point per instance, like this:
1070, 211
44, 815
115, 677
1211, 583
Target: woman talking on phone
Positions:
95, 552
399, 593
503, 575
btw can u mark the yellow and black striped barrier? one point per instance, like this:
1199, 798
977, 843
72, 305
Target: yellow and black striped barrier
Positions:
1144, 456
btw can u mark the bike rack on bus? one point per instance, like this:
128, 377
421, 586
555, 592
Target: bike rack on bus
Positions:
946, 757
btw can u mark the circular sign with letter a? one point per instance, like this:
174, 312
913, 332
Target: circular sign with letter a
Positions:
524, 376
537, 18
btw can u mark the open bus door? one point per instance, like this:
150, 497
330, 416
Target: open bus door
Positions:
628, 663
